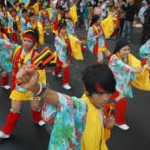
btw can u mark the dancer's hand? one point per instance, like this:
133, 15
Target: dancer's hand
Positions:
28, 78
109, 122
139, 70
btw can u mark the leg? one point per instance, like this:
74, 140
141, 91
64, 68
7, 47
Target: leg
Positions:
57, 69
120, 114
124, 31
12, 119
4, 80
36, 112
130, 30
66, 78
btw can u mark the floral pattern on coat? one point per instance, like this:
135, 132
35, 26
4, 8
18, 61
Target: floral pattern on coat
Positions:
69, 122
123, 74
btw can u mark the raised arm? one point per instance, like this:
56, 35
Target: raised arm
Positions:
28, 78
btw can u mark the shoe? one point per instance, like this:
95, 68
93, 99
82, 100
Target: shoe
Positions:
6, 87
67, 86
47, 33
58, 76
122, 126
3, 135
41, 123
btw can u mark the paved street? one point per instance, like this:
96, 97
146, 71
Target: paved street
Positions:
29, 136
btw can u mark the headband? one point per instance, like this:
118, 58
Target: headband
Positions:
99, 88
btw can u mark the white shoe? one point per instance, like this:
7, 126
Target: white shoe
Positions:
58, 76
6, 87
47, 33
122, 126
3, 135
41, 123
67, 86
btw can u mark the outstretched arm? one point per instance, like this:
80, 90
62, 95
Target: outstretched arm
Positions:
28, 78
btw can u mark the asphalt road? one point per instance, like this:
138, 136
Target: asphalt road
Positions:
28, 136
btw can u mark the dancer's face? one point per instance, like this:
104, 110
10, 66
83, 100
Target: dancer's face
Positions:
99, 100
124, 51
27, 44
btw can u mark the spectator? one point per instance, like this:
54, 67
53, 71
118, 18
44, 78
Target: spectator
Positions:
130, 9
142, 11
146, 25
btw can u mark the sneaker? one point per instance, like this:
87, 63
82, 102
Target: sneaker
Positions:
41, 123
58, 76
6, 87
3, 135
122, 126
67, 86
47, 33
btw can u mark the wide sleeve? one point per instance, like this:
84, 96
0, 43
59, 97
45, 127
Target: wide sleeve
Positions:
116, 62
6, 53
59, 45
145, 50
91, 40
108, 26
75, 47
5, 45
68, 120
53, 14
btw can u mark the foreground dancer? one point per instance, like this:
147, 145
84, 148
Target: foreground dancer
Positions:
22, 55
72, 116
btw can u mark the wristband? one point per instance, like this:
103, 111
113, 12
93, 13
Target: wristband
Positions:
41, 90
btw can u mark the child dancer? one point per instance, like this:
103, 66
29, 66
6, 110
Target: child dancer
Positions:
22, 55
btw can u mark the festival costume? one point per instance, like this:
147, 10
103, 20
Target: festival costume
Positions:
72, 118
95, 43
18, 93
37, 25
5, 16
23, 23
145, 53
14, 23
72, 21
44, 18
69, 122
3, 60
125, 77
55, 18
64, 55
94, 135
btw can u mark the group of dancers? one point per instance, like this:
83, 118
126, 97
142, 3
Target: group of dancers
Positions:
78, 123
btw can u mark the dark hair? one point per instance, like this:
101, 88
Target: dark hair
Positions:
101, 75
59, 7
21, 5
61, 24
31, 14
94, 19
34, 33
24, 10
120, 43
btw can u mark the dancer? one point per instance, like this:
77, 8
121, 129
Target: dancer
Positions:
66, 46
22, 55
125, 73
73, 117
96, 41
44, 18
35, 24
5, 65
